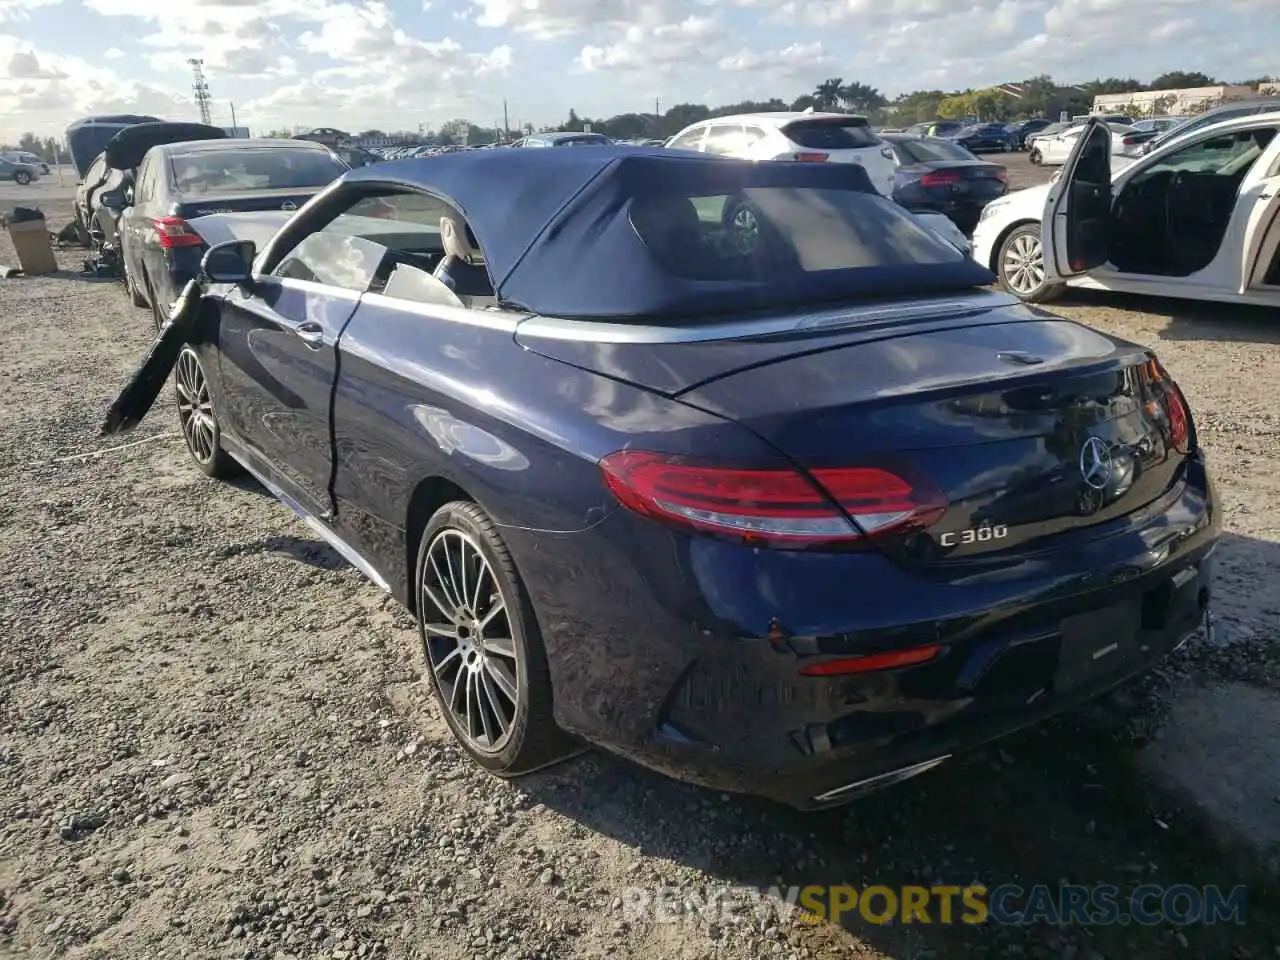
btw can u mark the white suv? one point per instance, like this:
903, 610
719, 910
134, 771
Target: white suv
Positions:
825, 137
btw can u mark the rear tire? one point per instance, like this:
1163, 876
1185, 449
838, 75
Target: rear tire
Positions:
22, 178
1035, 156
1020, 266
482, 646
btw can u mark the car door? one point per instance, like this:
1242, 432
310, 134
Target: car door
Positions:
1258, 211
1077, 211
132, 218
277, 357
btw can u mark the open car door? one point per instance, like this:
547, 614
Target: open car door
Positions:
1075, 228
1262, 229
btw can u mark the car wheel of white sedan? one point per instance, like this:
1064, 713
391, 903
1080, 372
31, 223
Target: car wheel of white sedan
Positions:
1020, 265
1035, 156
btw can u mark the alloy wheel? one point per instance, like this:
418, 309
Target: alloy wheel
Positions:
1023, 265
195, 408
470, 643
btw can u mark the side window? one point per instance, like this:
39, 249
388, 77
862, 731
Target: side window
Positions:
751, 136
334, 259
724, 140
1229, 155
689, 140
391, 245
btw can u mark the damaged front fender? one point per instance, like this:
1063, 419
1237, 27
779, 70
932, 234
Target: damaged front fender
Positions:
148, 380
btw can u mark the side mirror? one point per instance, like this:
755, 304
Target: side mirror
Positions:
229, 262
114, 200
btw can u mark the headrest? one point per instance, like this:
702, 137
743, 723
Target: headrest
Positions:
458, 241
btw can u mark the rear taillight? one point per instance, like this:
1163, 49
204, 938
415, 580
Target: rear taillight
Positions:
1169, 397
175, 232
805, 157
941, 178
887, 153
1129, 141
780, 508
1002, 175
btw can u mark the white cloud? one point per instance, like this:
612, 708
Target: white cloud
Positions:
113, 53
797, 59
42, 92
551, 19
663, 47
16, 11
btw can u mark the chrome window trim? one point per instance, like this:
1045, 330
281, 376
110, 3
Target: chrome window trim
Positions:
591, 331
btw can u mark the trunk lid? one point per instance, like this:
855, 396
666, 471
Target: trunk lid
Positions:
1004, 414
248, 201
1016, 433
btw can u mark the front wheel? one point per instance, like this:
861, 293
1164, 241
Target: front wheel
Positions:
1035, 156
200, 428
22, 178
1020, 265
482, 645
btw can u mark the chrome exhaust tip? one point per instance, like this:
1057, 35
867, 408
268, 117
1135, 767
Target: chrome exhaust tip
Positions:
881, 780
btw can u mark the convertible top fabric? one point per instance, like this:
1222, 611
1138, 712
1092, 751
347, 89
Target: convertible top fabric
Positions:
558, 241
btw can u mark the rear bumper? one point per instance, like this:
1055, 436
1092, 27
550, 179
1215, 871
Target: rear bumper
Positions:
683, 654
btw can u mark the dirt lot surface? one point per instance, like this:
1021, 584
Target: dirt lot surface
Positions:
215, 742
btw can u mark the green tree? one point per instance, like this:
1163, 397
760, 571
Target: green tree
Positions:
826, 95
1182, 80
861, 98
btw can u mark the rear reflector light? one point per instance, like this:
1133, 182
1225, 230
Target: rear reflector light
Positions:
941, 178
867, 663
779, 508
811, 157
175, 232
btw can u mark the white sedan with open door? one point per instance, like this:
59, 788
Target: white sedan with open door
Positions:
1198, 218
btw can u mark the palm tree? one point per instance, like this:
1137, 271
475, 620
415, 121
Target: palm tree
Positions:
861, 98
826, 95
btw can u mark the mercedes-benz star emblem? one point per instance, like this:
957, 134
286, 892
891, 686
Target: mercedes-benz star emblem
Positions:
1095, 463
288, 205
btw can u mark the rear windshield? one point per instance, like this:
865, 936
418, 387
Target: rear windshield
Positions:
587, 140
777, 233
843, 134
922, 151
213, 171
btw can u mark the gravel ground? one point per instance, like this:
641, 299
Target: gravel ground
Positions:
216, 741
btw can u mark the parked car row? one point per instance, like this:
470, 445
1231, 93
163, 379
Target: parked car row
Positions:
138, 196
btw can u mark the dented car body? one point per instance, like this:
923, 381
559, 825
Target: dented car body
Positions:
733, 469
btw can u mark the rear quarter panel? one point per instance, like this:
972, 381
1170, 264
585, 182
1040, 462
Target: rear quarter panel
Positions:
439, 394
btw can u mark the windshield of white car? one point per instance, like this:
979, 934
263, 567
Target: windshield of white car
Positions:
214, 171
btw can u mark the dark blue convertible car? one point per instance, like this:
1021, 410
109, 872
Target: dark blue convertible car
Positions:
734, 469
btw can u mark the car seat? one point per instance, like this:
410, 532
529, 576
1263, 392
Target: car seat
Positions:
462, 270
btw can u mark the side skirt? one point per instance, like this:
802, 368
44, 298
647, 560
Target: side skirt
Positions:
348, 552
